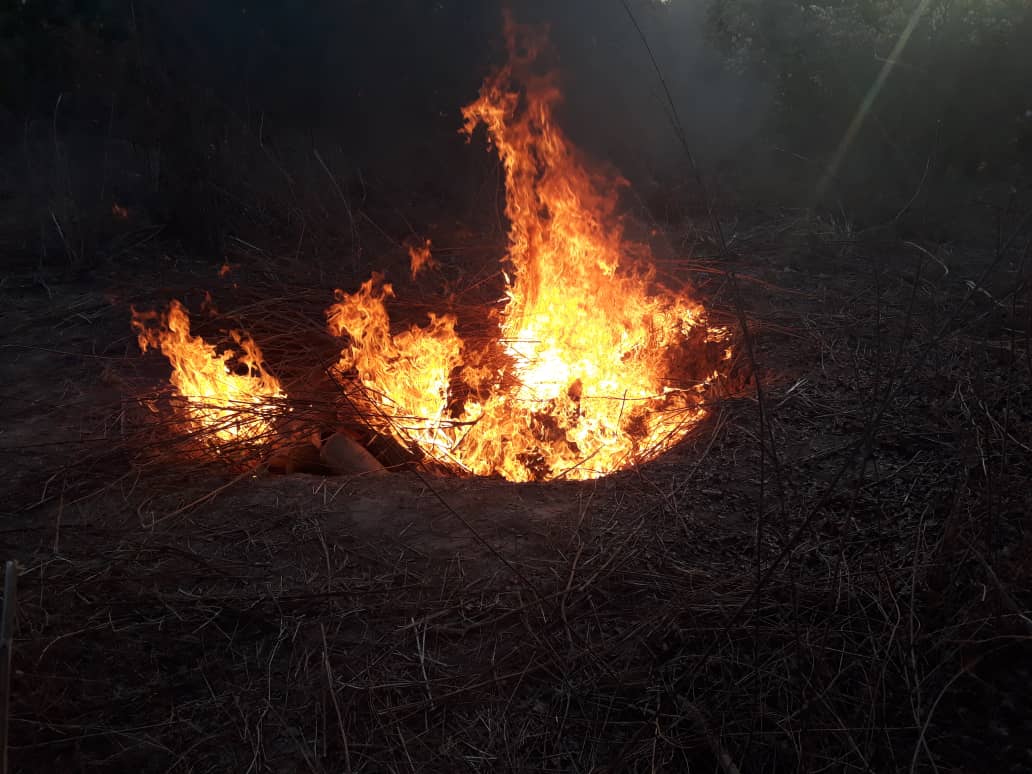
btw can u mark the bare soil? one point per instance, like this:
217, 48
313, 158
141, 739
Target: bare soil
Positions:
831, 574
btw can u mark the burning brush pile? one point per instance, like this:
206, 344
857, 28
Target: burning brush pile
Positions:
594, 367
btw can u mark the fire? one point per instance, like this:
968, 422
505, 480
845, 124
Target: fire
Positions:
420, 258
221, 403
583, 378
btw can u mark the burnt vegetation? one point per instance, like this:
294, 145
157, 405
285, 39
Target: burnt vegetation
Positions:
833, 572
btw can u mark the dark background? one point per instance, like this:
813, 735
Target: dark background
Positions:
262, 119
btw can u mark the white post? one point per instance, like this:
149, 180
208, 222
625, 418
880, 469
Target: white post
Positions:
7, 623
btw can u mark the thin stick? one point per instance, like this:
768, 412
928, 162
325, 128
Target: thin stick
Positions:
331, 686
347, 207
868, 101
675, 120
6, 643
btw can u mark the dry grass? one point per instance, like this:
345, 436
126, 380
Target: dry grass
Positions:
831, 574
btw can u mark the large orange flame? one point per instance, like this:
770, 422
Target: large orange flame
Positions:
220, 403
583, 378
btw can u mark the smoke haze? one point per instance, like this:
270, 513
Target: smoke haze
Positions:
384, 79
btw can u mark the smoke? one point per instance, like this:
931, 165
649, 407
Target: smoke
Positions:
616, 104
384, 75
377, 89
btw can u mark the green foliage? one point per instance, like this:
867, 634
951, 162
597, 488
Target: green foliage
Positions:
958, 95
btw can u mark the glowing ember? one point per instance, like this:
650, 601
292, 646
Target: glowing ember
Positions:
223, 404
582, 380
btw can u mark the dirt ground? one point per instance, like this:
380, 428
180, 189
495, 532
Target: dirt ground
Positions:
832, 573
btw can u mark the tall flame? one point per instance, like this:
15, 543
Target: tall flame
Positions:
223, 404
581, 380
